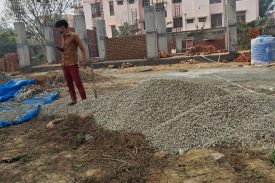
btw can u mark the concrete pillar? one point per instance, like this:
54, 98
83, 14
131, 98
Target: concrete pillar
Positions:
178, 43
22, 47
151, 32
232, 40
80, 28
161, 29
101, 35
50, 48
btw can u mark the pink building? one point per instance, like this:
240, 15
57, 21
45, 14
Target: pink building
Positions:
181, 15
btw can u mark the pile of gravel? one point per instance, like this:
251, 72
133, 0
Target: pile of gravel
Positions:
142, 107
243, 118
176, 114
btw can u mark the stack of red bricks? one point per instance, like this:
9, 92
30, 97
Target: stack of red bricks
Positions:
9, 63
126, 48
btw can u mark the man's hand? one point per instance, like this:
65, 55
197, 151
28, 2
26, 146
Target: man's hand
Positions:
60, 49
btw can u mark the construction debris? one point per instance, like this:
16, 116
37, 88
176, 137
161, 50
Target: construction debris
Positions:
164, 54
145, 70
190, 61
54, 122
182, 70
161, 155
244, 57
126, 65
29, 92
111, 66
218, 156
254, 32
203, 50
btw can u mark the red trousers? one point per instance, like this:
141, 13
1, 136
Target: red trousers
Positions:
71, 75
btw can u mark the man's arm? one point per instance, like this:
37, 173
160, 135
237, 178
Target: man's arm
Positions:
82, 48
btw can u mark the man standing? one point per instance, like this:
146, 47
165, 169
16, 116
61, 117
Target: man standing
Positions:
69, 63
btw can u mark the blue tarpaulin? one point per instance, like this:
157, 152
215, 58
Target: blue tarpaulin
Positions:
9, 89
13, 112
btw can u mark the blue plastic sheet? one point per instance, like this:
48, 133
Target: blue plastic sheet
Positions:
9, 89
13, 112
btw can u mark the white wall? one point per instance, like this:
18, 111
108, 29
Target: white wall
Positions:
88, 15
189, 9
251, 7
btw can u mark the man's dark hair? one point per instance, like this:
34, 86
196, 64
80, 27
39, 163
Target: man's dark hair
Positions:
61, 23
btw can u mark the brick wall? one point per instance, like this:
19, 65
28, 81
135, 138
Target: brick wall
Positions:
9, 63
2, 65
171, 41
219, 44
126, 48
92, 41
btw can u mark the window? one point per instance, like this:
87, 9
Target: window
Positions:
120, 2
202, 19
159, 6
145, 3
177, 22
215, 1
131, 1
241, 16
216, 20
95, 10
176, 1
111, 6
169, 29
190, 20
114, 31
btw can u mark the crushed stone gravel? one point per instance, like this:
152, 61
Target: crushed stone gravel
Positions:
175, 114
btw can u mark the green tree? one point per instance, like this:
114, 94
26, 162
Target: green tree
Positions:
126, 30
36, 14
263, 5
7, 41
263, 23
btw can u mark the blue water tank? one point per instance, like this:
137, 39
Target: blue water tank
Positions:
263, 50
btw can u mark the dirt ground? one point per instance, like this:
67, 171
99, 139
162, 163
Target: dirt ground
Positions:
77, 150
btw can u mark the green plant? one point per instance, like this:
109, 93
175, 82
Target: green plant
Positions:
7, 41
21, 157
125, 30
263, 23
273, 157
80, 139
78, 167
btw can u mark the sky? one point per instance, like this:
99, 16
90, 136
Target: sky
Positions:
2, 2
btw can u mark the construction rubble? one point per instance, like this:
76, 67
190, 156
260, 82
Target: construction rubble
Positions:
201, 49
244, 57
